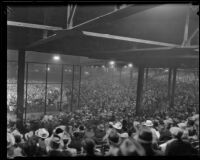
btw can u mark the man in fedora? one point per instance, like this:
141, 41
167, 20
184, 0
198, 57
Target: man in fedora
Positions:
145, 138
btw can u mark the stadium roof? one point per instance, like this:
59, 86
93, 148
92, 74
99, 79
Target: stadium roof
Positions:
152, 35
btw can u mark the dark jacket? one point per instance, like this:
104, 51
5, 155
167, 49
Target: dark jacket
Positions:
179, 147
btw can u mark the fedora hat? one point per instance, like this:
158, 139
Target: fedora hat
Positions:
144, 136
148, 123
100, 127
117, 125
10, 140
55, 143
114, 138
42, 133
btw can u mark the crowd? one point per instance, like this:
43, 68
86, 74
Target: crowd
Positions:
106, 124
75, 135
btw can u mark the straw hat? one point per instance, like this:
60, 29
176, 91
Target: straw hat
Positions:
42, 133
117, 125
28, 135
148, 123
124, 135
10, 140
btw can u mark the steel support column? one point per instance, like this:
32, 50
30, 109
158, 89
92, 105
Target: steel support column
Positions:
20, 89
131, 75
120, 74
146, 77
61, 87
173, 87
45, 104
72, 94
140, 84
26, 90
79, 89
169, 83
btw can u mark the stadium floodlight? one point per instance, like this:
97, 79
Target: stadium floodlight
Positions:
112, 62
130, 65
56, 58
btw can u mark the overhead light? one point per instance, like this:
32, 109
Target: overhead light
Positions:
48, 69
112, 62
103, 66
56, 58
125, 66
130, 65
197, 49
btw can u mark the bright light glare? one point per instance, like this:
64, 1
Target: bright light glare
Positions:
130, 65
56, 58
112, 62
48, 69
103, 66
125, 66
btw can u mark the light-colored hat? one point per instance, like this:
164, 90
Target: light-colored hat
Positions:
124, 135
110, 123
42, 133
135, 123
182, 125
117, 125
17, 133
175, 130
10, 140
28, 135
148, 123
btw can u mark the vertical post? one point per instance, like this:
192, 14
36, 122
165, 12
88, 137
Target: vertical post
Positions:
173, 87
131, 75
169, 85
139, 88
26, 90
45, 105
146, 77
20, 89
72, 94
120, 74
79, 89
61, 87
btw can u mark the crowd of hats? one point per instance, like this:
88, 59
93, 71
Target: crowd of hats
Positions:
120, 141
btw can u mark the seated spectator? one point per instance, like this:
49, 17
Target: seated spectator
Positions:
10, 146
178, 146
130, 147
56, 147
145, 138
89, 148
99, 134
114, 143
